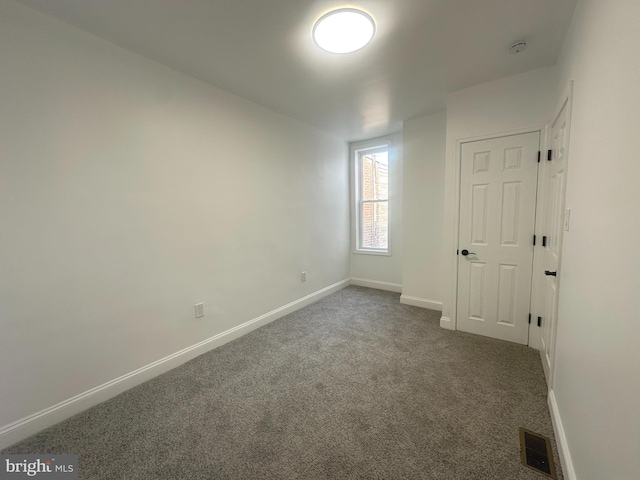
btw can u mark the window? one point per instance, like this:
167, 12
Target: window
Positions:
372, 199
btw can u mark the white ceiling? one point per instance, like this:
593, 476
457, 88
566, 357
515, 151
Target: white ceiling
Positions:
262, 50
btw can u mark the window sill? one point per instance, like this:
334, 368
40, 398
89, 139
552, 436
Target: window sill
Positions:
372, 252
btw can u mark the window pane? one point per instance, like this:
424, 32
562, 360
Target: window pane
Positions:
375, 225
375, 176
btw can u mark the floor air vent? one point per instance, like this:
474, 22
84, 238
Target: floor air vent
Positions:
535, 452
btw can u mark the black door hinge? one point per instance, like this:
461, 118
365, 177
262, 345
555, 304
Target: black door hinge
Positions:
549, 155
534, 240
539, 156
544, 240
539, 321
529, 319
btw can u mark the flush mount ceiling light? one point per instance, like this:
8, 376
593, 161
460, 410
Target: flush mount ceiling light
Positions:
344, 30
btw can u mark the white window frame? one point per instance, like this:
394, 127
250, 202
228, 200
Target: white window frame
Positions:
358, 151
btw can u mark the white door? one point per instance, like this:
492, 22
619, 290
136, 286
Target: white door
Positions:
553, 228
498, 182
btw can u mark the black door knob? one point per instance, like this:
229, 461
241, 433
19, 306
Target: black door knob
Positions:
550, 274
466, 252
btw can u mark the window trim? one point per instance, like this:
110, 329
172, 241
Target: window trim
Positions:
358, 151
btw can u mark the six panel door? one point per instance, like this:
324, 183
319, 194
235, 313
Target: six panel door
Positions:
554, 227
498, 185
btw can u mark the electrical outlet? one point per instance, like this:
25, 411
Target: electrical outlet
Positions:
303, 277
199, 310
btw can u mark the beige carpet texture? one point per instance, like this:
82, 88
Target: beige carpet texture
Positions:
354, 386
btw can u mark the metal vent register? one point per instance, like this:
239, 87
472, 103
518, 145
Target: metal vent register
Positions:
535, 453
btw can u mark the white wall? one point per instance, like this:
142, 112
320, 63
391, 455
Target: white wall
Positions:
423, 165
372, 270
129, 192
511, 103
597, 367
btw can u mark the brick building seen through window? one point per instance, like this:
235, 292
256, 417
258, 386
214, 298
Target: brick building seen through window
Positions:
374, 200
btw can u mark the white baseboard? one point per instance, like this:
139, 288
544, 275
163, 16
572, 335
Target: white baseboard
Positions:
27, 426
561, 439
445, 322
390, 287
421, 302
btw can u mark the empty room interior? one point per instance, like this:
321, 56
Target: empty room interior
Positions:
314, 239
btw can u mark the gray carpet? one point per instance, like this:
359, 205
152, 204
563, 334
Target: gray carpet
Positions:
354, 386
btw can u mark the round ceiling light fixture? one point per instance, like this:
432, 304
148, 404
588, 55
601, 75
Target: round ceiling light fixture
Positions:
344, 30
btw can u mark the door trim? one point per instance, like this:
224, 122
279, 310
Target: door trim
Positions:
451, 322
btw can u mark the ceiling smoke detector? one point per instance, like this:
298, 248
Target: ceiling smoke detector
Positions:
517, 47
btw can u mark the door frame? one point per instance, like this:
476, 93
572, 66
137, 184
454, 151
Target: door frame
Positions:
452, 322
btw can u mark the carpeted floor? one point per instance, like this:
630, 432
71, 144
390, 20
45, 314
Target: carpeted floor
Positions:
354, 386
